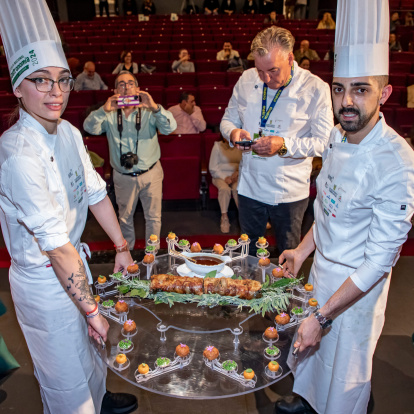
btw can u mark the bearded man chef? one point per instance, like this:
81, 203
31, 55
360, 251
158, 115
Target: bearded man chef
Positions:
288, 112
363, 213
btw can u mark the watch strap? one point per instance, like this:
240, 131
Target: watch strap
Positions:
323, 321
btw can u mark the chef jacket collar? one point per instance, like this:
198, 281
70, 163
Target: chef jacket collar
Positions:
373, 138
44, 139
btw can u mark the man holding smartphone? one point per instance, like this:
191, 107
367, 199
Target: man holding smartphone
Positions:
287, 113
134, 152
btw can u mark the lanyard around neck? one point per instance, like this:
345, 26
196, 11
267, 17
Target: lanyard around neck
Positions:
343, 141
266, 113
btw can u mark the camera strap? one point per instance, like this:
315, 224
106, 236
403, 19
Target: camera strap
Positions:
121, 128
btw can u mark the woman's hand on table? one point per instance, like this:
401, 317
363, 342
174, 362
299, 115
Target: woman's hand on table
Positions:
122, 261
98, 326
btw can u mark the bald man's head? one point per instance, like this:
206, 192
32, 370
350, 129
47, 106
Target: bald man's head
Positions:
89, 69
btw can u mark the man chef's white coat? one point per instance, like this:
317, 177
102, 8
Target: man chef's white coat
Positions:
363, 213
46, 184
302, 116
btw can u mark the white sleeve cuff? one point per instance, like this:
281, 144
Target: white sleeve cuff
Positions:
368, 274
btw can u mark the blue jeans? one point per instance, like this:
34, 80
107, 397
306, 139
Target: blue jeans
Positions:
286, 219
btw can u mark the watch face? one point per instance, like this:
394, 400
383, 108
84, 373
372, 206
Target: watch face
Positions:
282, 151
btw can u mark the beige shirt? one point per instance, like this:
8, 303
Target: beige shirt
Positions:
222, 55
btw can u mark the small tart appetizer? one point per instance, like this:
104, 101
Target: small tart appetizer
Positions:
182, 350
130, 326
101, 279
297, 311
125, 344
195, 247
183, 243
150, 248
148, 258
133, 268
248, 374
312, 302
282, 319
121, 306
97, 298
308, 287
262, 252
262, 241
264, 261
153, 238
231, 243
272, 350
270, 332
171, 235
143, 368
121, 359
163, 362
211, 353
229, 365
273, 366
244, 237
218, 248
277, 272
108, 303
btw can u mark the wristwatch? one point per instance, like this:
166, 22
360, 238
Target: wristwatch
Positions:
323, 321
283, 150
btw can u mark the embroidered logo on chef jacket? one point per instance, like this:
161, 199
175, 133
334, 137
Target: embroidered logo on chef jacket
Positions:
332, 198
77, 182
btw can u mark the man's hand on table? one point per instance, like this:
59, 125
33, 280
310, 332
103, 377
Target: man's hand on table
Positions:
292, 261
98, 326
240, 135
122, 261
267, 146
309, 333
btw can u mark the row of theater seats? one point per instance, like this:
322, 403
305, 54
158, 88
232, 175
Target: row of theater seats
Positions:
184, 158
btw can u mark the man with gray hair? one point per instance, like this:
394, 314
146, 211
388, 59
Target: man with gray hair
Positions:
134, 152
287, 112
89, 80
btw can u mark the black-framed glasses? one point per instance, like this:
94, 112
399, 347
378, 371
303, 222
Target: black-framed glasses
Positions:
123, 85
45, 85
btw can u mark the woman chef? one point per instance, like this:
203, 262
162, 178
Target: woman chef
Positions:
47, 183
363, 213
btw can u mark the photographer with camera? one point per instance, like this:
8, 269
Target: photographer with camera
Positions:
130, 119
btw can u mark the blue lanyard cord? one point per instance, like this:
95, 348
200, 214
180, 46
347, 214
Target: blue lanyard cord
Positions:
343, 139
266, 113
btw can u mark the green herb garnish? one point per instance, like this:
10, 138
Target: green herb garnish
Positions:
231, 242
150, 248
262, 252
211, 274
183, 242
272, 350
229, 365
108, 303
163, 362
125, 344
297, 311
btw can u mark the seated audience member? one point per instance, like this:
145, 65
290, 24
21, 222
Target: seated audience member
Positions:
126, 63
224, 168
148, 8
89, 80
183, 63
211, 7
250, 56
408, 19
327, 22
305, 51
329, 55
271, 19
305, 63
410, 96
228, 7
74, 66
130, 7
250, 7
395, 45
394, 22
227, 53
188, 115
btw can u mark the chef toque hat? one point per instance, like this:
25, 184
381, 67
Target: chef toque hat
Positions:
361, 38
30, 38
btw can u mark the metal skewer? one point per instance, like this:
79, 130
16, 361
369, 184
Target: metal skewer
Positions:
102, 342
175, 253
282, 268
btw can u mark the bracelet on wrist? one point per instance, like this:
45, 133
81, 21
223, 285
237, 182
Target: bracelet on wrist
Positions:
95, 309
123, 248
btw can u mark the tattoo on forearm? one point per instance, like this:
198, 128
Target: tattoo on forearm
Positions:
79, 282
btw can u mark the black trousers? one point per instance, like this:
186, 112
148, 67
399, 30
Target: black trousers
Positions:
103, 5
286, 220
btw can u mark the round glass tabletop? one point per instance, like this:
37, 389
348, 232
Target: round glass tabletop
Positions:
235, 333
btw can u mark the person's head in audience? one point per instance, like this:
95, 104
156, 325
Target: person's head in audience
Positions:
74, 66
408, 18
89, 69
272, 49
183, 55
304, 45
272, 16
126, 57
393, 38
327, 18
187, 102
227, 47
395, 16
126, 83
305, 63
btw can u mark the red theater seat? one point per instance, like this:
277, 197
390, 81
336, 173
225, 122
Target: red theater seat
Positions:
214, 95
5, 85
74, 118
404, 119
151, 79
211, 78
398, 79
174, 145
232, 78
209, 140
211, 65
181, 79
81, 99
213, 115
99, 145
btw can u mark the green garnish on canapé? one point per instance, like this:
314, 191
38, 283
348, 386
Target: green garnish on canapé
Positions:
108, 303
297, 311
249, 370
150, 248
262, 251
231, 242
229, 365
125, 344
163, 362
183, 242
272, 350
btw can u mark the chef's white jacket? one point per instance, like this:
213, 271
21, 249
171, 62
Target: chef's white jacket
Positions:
302, 116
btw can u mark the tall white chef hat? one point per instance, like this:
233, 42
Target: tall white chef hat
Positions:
30, 38
361, 38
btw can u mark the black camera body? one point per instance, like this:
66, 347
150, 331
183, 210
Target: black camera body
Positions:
128, 160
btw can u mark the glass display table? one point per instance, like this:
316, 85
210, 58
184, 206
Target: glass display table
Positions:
236, 333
